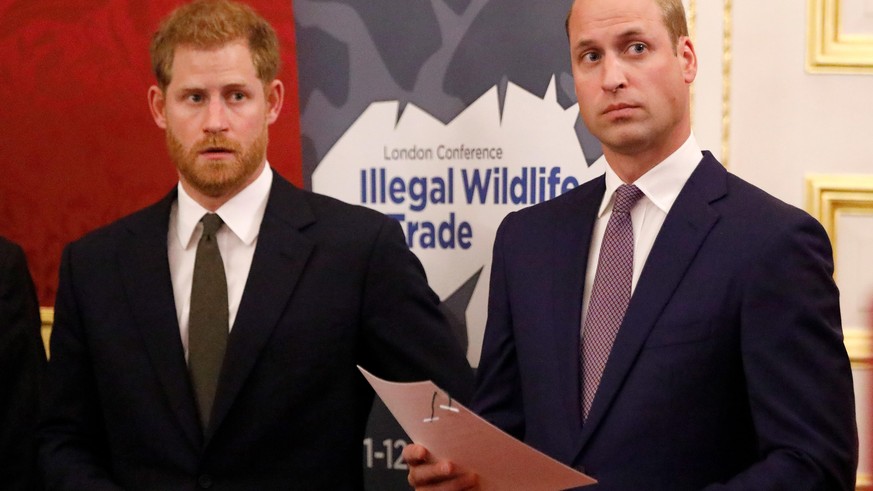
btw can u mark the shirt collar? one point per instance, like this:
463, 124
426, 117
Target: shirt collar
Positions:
663, 182
242, 214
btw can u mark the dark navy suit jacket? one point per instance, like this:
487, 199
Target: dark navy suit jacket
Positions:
331, 286
729, 369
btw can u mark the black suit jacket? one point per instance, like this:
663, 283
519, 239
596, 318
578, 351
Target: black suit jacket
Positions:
331, 286
729, 369
22, 361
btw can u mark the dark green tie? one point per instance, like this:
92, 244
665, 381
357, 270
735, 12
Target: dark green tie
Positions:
208, 321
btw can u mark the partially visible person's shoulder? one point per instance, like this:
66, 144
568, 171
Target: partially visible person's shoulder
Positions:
8, 248
11, 256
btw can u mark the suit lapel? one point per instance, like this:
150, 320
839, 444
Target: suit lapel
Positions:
685, 228
144, 264
573, 225
280, 256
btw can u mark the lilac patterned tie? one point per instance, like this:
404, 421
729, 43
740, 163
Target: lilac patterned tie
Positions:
610, 294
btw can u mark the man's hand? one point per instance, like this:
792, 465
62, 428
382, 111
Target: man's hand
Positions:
426, 473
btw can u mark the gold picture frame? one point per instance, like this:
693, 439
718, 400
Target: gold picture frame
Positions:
828, 196
829, 48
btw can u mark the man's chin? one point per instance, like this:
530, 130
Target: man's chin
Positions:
213, 182
625, 140
217, 191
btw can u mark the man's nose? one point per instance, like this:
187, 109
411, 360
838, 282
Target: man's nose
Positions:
216, 116
614, 77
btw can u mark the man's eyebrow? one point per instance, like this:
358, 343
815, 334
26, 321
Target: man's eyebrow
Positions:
583, 43
187, 89
235, 86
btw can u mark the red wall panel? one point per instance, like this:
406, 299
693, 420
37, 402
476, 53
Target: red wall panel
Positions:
79, 148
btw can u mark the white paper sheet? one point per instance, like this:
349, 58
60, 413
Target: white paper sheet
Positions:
451, 431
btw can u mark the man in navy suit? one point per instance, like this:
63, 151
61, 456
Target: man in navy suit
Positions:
313, 288
728, 369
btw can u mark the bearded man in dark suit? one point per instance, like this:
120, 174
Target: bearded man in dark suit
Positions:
161, 376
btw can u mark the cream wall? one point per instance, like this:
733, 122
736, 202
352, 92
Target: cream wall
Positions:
757, 107
787, 122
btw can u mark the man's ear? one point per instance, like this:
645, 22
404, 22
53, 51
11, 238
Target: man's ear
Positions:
157, 103
275, 94
688, 57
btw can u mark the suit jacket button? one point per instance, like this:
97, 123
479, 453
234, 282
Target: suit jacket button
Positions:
204, 481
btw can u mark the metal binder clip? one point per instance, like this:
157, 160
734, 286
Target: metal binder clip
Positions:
449, 407
446, 407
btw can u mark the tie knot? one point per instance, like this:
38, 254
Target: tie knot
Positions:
626, 196
211, 223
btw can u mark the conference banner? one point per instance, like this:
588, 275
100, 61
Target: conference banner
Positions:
446, 115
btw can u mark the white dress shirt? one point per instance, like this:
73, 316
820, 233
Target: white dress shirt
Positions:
660, 186
237, 238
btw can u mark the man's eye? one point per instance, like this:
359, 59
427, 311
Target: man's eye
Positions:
195, 98
590, 56
637, 48
237, 96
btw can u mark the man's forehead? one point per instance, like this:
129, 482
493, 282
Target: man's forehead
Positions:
197, 50
227, 67
608, 22
223, 58
604, 13
213, 46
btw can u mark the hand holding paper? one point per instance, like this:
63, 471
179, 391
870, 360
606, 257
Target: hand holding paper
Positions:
426, 471
453, 433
